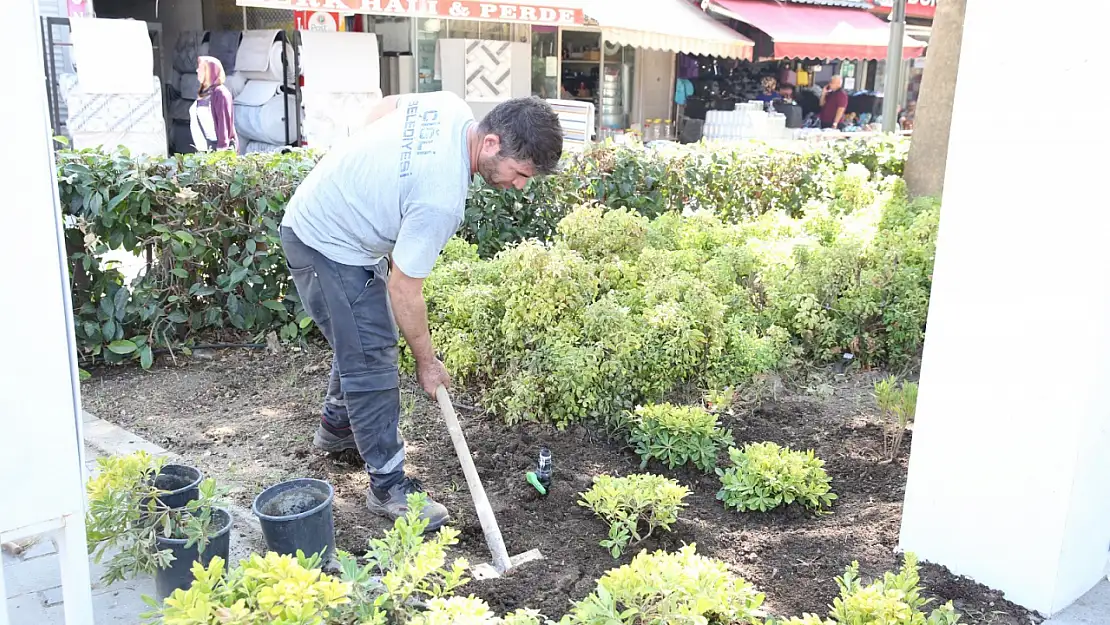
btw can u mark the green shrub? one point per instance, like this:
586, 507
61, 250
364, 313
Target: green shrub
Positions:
764, 476
681, 587
626, 503
893, 600
898, 406
125, 517
603, 319
261, 590
852, 190
404, 567
711, 296
675, 435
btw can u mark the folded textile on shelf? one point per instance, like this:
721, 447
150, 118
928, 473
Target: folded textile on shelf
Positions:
257, 92
359, 70
179, 109
235, 83
261, 147
268, 123
332, 117
132, 120
112, 56
187, 49
189, 85
224, 45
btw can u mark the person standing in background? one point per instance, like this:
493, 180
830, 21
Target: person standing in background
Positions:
769, 84
834, 101
212, 115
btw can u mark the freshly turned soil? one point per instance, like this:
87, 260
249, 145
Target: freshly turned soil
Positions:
247, 418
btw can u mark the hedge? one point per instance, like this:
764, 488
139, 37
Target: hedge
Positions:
620, 310
207, 226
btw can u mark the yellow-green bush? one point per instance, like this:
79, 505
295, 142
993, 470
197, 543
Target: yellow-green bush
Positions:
626, 503
618, 311
679, 587
764, 476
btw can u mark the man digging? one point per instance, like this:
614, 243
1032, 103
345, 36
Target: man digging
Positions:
361, 234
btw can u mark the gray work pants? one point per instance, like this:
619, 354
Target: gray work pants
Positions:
351, 307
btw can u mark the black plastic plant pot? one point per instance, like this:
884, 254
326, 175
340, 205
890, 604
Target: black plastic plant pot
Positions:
180, 574
297, 515
181, 485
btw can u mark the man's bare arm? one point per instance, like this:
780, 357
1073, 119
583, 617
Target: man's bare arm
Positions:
407, 297
383, 108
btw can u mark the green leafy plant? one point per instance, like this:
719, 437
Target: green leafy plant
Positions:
627, 503
680, 587
898, 406
262, 590
895, 599
764, 476
403, 568
470, 611
125, 516
675, 435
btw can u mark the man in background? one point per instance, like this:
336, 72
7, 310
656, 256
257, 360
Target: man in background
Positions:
834, 101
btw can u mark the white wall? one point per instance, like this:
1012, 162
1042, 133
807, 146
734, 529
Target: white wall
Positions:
40, 444
1009, 478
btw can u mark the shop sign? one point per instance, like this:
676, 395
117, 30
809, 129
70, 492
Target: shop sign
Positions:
79, 8
925, 9
316, 21
449, 9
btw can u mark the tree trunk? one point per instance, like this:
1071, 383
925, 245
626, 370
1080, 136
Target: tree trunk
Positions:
929, 146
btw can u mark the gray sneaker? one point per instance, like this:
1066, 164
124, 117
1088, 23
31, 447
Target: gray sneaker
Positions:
333, 443
396, 505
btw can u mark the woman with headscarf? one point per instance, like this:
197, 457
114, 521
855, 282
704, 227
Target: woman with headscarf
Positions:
212, 116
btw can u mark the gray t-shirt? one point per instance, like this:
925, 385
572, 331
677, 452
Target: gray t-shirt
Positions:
397, 188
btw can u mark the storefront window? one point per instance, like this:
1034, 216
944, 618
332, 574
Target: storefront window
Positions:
431, 30
616, 86
428, 31
545, 62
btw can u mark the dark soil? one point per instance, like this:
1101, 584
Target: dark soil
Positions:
247, 419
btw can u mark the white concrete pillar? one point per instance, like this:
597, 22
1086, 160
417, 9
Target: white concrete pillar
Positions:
1009, 479
41, 490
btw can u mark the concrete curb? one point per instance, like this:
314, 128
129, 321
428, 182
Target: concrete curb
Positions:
110, 439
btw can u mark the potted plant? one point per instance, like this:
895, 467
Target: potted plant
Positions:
130, 525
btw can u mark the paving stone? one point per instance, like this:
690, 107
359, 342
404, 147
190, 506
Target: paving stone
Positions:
121, 606
28, 576
51, 596
28, 610
44, 547
1091, 609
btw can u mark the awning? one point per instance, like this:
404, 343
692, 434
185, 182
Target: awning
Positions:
549, 12
816, 32
674, 25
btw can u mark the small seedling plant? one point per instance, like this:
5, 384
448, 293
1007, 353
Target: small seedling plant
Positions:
261, 590
764, 476
676, 435
125, 517
634, 504
898, 406
661, 587
895, 599
403, 568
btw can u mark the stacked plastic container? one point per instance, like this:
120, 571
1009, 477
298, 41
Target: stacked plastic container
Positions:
748, 121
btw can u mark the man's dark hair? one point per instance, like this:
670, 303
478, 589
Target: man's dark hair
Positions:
786, 85
529, 130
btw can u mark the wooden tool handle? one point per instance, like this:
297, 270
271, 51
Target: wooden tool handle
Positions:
494, 541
